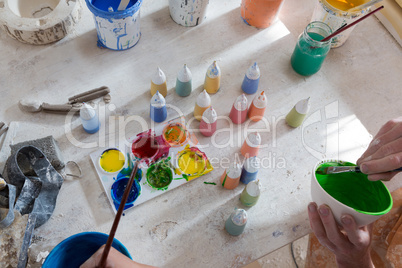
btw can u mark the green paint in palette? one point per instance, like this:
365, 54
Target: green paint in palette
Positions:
355, 190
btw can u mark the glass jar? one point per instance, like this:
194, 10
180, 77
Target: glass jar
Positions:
310, 52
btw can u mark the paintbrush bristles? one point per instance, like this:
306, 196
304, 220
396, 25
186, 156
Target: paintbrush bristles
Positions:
118, 216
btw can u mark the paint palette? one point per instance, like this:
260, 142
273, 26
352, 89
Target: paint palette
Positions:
164, 165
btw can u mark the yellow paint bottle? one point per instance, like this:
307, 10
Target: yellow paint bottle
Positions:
213, 78
203, 102
158, 83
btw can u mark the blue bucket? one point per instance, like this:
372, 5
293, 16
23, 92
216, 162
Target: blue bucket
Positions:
117, 30
75, 250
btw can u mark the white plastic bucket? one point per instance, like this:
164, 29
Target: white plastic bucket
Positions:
188, 12
117, 30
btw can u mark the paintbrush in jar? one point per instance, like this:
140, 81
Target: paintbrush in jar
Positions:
123, 201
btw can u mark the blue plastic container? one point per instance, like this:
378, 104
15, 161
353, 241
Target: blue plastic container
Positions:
75, 250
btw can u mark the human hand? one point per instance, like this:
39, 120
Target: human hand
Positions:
384, 152
115, 259
351, 245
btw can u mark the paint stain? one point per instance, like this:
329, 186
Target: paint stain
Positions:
112, 160
160, 175
213, 183
224, 180
175, 134
277, 233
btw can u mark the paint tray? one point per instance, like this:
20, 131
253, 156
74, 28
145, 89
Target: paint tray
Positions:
169, 156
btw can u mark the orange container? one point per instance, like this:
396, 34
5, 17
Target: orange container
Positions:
260, 13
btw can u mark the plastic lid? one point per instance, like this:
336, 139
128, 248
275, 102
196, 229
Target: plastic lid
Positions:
158, 101
159, 77
303, 106
203, 99
184, 74
253, 139
241, 103
213, 70
260, 100
87, 112
253, 72
209, 116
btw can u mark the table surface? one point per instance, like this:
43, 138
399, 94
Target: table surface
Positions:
356, 91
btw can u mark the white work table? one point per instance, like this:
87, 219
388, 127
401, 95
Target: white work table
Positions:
357, 90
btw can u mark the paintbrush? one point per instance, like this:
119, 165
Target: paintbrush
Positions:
342, 169
123, 201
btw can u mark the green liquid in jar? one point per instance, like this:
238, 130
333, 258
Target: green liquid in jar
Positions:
307, 59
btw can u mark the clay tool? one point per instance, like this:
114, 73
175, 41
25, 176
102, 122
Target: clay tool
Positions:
350, 25
118, 216
208, 122
213, 78
342, 169
202, 103
89, 95
89, 119
158, 111
158, 83
183, 82
251, 145
296, 116
251, 79
238, 114
257, 108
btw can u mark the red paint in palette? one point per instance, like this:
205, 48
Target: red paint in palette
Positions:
145, 146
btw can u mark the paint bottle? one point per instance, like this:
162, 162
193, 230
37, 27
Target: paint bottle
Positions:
257, 108
188, 13
251, 145
158, 83
250, 170
251, 194
231, 177
236, 222
296, 116
238, 114
158, 110
213, 78
203, 102
89, 119
183, 82
251, 79
208, 122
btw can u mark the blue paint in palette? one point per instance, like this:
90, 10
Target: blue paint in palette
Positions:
119, 186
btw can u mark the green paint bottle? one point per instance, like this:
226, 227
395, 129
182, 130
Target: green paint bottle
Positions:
251, 193
236, 222
296, 116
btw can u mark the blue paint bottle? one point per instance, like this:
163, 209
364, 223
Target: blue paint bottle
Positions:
251, 79
89, 119
183, 82
236, 222
250, 170
158, 111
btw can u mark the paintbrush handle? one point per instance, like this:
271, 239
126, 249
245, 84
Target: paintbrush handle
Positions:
350, 25
395, 170
118, 216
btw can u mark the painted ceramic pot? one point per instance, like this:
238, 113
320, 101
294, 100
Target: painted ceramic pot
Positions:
175, 134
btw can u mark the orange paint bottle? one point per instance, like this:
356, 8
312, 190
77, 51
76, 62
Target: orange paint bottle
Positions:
260, 13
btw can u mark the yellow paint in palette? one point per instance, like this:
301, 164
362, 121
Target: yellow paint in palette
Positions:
112, 160
193, 163
346, 4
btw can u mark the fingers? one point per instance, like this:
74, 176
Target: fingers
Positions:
390, 132
360, 237
386, 176
382, 165
324, 234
